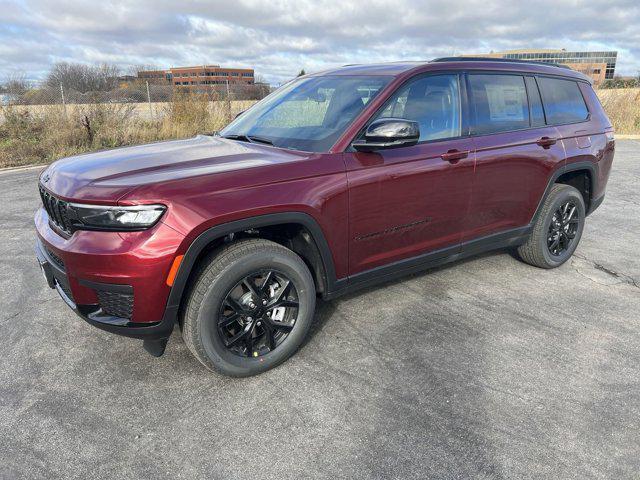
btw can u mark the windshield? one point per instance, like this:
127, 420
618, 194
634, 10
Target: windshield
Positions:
307, 114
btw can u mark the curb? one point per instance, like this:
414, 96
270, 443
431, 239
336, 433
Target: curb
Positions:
22, 169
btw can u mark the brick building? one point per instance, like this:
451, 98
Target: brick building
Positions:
200, 76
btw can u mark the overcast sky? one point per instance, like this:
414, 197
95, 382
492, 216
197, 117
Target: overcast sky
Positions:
279, 37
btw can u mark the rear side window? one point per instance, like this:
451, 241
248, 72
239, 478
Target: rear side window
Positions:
500, 103
563, 102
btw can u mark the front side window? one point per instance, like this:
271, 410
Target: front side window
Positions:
432, 101
307, 114
500, 103
563, 101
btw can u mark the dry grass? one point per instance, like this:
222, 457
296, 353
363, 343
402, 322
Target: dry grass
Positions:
29, 136
623, 108
40, 135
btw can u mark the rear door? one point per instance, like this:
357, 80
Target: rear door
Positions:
566, 108
516, 151
408, 201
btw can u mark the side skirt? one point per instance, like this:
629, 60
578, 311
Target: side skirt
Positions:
401, 268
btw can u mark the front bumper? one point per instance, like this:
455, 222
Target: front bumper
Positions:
92, 313
101, 274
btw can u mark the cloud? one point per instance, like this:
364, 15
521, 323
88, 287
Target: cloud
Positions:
279, 37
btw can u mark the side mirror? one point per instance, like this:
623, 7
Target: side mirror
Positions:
388, 133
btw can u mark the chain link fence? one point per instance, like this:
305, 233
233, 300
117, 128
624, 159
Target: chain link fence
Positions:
41, 124
144, 99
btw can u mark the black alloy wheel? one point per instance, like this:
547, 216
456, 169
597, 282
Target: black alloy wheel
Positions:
249, 308
563, 228
258, 313
557, 228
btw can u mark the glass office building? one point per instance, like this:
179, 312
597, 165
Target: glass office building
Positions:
599, 66
608, 58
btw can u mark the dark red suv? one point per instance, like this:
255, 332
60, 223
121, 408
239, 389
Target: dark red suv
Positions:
336, 181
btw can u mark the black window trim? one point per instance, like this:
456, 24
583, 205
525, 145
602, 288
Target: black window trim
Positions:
544, 112
472, 120
468, 107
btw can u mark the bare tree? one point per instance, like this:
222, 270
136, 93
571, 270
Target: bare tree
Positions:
260, 80
16, 84
83, 78
134, 69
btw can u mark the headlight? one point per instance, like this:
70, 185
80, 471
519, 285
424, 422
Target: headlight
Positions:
98, 217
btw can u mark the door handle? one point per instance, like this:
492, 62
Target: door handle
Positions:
453, 155
546, 142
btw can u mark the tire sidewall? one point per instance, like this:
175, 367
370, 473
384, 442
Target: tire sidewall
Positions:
221, 357
562, 197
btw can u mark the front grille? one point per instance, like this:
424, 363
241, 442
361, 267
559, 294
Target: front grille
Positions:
57, 210
116, 303
55, 258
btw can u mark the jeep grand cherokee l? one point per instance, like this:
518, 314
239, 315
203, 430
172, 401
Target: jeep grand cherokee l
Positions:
335, 181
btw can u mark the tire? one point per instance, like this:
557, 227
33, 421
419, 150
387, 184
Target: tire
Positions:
211, 294
536, 251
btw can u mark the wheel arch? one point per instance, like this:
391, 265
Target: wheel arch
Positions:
582, 179
568, 172
308, 241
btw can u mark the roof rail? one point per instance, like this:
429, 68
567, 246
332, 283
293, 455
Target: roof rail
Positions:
492, 59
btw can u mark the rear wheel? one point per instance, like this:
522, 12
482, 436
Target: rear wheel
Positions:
250, 308
557, 230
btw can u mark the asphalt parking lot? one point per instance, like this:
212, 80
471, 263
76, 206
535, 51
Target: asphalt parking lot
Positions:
486, 368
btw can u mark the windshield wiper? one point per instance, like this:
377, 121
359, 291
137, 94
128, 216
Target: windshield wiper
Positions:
255, 139
249, 139
241, 138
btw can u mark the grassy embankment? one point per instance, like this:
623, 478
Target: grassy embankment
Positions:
35, 135
623, 108
41, 134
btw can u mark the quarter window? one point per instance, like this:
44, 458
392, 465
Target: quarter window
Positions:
500, 103
432, 101
563, 102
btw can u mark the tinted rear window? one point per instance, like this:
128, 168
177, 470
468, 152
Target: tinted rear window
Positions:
500, 103
563, 102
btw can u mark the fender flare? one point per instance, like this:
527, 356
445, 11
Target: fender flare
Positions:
592, 167
219, 231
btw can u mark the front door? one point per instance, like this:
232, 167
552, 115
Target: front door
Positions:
409, 201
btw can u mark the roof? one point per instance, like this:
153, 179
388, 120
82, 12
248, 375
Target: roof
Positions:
454, 63
391, 68
529, 50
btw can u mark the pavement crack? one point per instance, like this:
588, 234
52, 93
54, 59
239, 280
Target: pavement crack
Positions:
622, 277
627, 200
12, 316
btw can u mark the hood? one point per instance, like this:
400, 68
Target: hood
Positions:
110, 174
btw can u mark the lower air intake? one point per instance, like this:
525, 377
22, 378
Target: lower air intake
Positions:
115, 303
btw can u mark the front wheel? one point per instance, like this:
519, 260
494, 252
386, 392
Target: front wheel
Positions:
557, 230
250, 308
